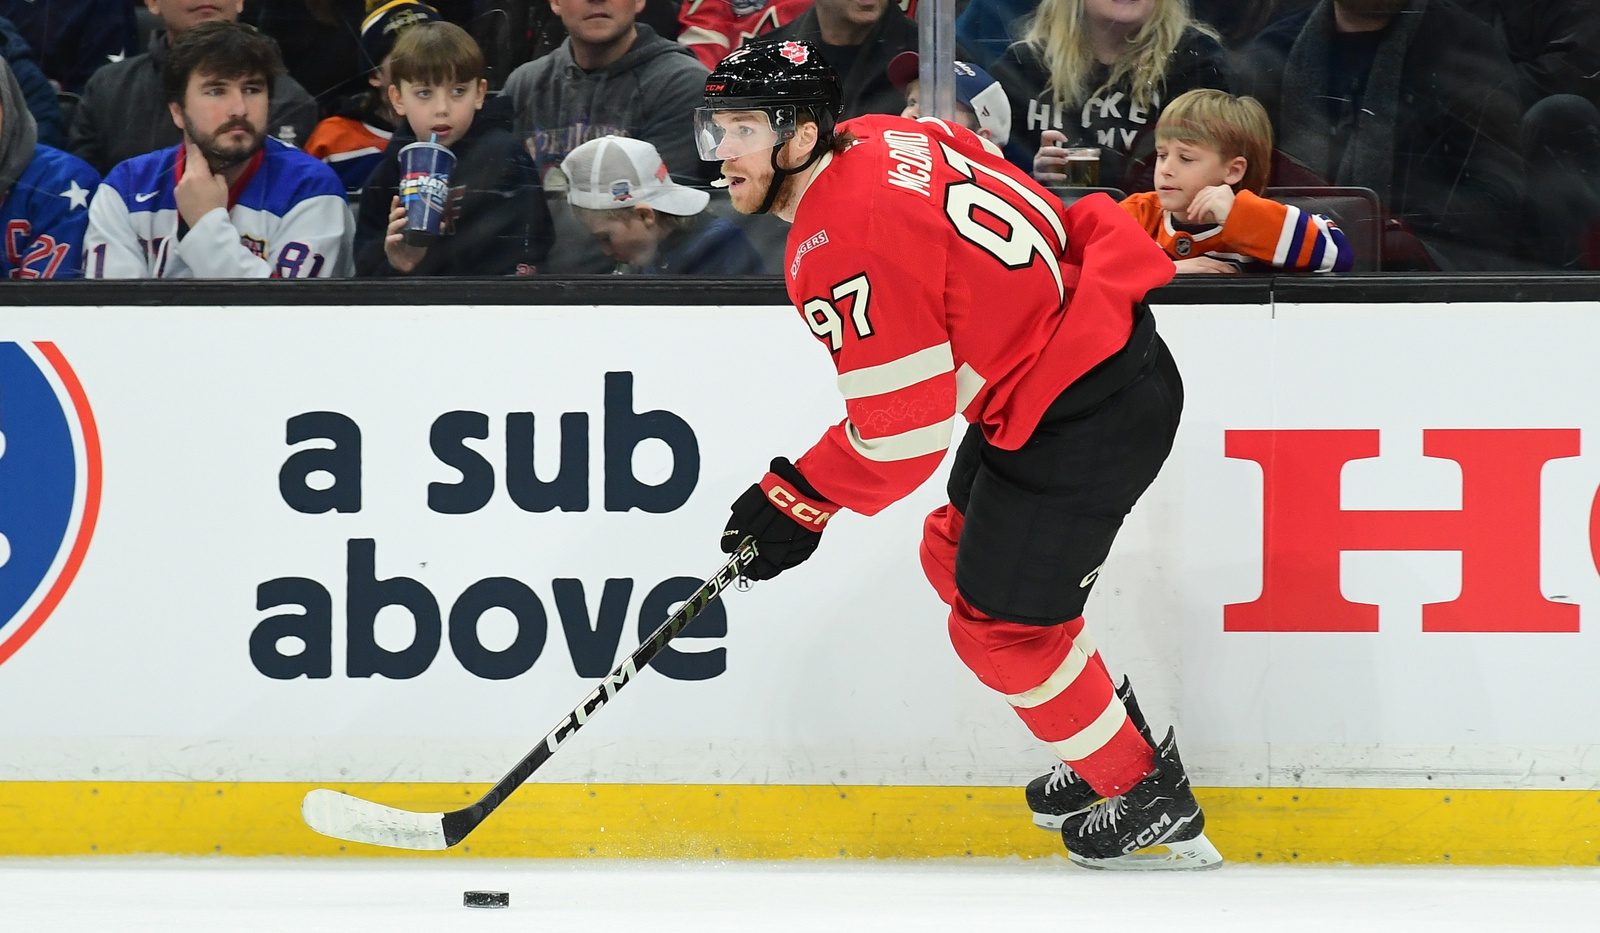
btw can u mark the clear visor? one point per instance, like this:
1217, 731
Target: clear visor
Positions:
728, 134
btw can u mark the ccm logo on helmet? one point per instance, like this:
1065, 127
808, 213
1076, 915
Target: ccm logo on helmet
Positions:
801, 511
717, 88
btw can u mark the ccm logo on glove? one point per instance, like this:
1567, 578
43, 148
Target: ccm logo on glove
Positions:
810, 512
784, 515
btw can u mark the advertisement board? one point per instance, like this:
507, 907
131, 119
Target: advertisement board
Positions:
314, 544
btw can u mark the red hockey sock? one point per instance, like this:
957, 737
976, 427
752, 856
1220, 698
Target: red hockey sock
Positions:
940, 532
1058, 684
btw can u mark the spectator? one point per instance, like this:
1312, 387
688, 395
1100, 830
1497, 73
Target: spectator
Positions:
643, 220
352, 141
713, 28
1213, 151
610, 76
545, 31
124, 113
44, 195
227, 201
1095, 73
38, 95
497, 223
74, 38
981, 103
858, 38
1414, 99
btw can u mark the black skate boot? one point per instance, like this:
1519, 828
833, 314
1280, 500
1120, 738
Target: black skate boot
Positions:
1054, 794
1158, 813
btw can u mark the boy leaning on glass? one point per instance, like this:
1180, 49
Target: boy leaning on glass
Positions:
1213, 153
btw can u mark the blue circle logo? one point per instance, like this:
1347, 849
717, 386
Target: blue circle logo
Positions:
49, 486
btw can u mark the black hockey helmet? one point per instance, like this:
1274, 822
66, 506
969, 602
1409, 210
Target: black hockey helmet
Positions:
782, 79
774, 73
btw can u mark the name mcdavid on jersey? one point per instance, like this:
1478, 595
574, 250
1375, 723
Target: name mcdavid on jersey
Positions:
49, 486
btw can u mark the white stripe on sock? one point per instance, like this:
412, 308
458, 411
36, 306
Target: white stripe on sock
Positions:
1071, 666
1095, 735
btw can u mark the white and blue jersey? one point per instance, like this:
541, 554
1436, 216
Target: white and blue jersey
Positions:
286, 218
45, 214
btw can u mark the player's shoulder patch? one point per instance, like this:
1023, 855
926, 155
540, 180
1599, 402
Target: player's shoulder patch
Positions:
820, 238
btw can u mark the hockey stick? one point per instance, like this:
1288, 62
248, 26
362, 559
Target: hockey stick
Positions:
342, 816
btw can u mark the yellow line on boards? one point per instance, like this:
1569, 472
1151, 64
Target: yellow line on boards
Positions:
1358, 826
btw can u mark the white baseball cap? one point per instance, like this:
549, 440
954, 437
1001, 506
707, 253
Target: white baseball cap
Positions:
614, 172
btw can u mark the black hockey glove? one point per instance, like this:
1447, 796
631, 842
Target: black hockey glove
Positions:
785, 516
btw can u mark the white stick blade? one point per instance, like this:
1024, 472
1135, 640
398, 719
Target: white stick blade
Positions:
342, 816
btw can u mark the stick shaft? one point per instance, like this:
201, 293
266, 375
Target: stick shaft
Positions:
459, 823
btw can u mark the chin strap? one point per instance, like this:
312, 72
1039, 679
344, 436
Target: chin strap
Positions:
779, 173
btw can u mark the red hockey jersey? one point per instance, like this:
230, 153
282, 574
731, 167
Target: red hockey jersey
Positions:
944, 280
714, 28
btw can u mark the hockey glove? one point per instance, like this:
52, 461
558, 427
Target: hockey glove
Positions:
785, 516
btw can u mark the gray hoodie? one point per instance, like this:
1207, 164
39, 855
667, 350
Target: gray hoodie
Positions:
649, 93
18, 133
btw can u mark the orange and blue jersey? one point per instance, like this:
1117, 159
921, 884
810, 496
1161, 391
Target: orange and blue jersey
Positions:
352, 148
1258, 230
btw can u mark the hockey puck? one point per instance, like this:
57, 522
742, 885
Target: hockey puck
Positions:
486, 899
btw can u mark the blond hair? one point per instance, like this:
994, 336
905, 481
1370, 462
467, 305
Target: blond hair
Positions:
1058, 33
1234, 126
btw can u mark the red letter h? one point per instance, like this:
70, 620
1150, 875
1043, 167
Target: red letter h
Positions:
1496, 530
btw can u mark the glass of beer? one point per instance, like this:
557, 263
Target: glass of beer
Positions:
1083, 167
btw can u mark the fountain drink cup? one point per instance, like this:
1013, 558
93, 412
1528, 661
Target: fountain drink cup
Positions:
425, 169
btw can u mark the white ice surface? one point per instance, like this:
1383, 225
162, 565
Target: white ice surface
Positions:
302, 896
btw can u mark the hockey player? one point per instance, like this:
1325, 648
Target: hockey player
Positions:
227, 202
1025, 318
1213, 151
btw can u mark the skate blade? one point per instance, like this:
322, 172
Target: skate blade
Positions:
1197, 854
1049, 821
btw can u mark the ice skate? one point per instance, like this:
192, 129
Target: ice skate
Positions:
1156, 826
1054, 794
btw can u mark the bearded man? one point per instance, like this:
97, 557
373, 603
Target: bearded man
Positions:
121, 115
227, 201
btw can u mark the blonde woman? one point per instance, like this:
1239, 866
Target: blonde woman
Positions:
1096, 73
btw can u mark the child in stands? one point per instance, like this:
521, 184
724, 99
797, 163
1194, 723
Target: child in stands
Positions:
496, 222
1213, 151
